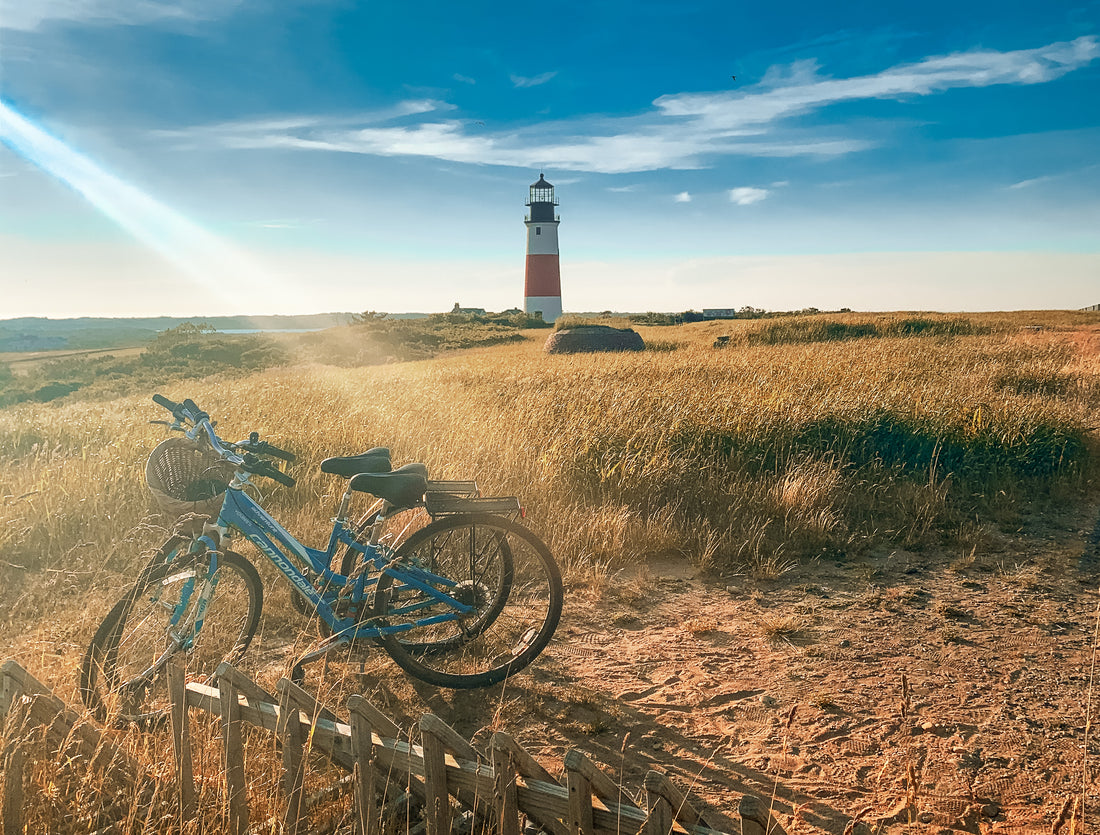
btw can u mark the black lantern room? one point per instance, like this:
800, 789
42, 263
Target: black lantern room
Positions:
542, 201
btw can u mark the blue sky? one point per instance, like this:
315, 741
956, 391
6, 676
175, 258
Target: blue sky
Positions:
212, 156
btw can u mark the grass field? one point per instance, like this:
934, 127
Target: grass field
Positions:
737, 457
813, 438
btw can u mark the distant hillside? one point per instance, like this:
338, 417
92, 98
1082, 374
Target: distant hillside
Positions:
41, 334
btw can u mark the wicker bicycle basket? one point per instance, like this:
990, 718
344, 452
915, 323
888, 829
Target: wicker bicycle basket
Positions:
187, 477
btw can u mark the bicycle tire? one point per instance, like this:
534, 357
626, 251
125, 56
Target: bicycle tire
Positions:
509, 577
122, 674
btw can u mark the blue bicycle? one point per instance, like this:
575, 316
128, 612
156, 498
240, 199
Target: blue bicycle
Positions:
464, 602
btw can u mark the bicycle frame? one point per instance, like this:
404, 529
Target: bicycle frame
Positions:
241, 512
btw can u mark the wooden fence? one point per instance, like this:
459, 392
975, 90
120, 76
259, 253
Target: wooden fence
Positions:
445, 784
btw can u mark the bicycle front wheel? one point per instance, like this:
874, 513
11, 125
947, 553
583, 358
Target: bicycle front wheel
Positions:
499, 569
162, 618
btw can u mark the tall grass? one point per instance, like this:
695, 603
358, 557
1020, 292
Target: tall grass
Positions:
830, 329
792, 448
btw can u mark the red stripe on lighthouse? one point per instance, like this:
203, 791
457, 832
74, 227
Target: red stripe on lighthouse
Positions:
543, 276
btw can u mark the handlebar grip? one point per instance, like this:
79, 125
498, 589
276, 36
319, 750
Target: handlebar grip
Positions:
280, 477
257, 466
267, 449
195, 413
170, 405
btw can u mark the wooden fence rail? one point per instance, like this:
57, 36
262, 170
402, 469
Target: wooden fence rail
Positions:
442, 781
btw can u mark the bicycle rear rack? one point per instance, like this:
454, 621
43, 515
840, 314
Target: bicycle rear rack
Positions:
448, 498
447, 504
454, 488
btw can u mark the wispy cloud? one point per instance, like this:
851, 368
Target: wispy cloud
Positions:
802, 89
533, 81
747, 195
682, 197
1034, 181
282, 224
29, 15
681, 131
263, 132
464, 79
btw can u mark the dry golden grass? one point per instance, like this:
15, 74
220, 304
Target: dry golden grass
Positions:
722, 456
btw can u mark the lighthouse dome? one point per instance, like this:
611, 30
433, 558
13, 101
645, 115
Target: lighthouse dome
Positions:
542, 182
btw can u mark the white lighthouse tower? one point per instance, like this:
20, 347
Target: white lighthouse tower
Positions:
542, 283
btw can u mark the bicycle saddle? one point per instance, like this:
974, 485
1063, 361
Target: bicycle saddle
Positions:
404, 487
375, 460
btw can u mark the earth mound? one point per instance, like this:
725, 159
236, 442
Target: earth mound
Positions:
590, 338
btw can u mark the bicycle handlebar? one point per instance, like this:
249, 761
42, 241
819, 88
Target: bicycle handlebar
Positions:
188, 411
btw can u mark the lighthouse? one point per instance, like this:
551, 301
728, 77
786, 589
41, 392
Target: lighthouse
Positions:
542, 282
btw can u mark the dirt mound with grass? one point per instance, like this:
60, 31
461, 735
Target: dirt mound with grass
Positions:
593, 338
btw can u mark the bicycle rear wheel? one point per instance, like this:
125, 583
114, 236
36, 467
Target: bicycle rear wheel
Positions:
122, 675
501, 570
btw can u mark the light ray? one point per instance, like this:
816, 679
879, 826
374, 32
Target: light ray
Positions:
212, 263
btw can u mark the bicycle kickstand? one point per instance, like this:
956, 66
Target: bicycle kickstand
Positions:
336, 641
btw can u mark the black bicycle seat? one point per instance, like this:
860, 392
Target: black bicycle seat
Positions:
375, 460
404, 487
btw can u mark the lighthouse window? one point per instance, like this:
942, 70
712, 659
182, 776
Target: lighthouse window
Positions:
538, 230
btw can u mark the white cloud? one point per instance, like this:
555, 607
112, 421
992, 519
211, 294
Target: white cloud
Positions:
464, 79
682, 131
1034, 181
534, 81
31, 14
682, 197
747, 195
782, 95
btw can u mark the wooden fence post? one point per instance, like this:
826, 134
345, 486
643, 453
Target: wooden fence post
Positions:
438, 816
181, 740
14, 761
362, 745
481, 805
11, 686
599, 783
580, 804
685, 808
236, 788
505, 799
13, 721
661, 811
293, 737
756, 819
